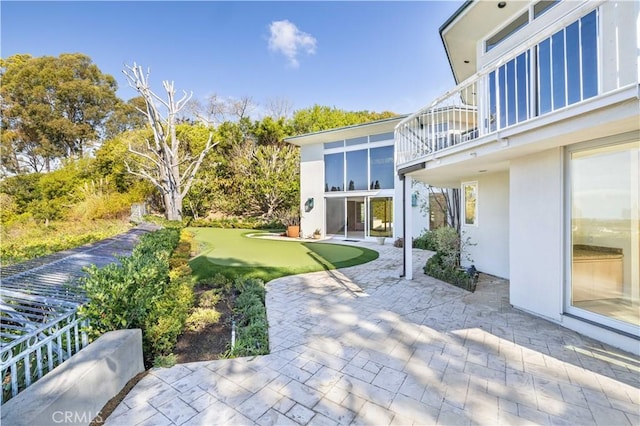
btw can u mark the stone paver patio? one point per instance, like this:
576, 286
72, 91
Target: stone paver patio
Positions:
363, 346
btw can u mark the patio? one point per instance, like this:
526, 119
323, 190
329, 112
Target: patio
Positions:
360, 345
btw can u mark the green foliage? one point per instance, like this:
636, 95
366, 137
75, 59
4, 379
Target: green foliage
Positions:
165, 361
202, 317
28, 239
317, 118
437, 267
252, 329
52, 108
426, 241
210, 298
445, 264
141, 293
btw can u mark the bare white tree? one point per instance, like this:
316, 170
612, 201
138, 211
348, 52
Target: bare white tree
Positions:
163, 163
278, 108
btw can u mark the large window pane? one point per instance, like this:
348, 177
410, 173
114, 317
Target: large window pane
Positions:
334, 172
557, 55
605, 231
589, 39
511, 92
493, 107
573, 63
335, 216
357, 170
502, 96
381, 168
381, 217
522, 85
544, 77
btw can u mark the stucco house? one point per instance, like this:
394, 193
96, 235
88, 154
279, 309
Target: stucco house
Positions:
349, 187
543, 139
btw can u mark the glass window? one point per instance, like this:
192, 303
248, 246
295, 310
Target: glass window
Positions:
381, 217
334, 172
522, 86
557, 66
605, 231
382, 169
507, 31
330, 145
542, 6
357, 178
357, 141
544, 77
573, 63
381, 137
589, 44
502, 96
335, 216
511, 92
470, 203
493, 108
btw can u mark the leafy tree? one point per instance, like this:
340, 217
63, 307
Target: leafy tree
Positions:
317, 118
126, 116
163, 163
52, 108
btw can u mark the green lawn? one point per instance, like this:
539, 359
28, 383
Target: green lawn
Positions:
231, 253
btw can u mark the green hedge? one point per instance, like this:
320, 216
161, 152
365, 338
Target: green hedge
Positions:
437, 268
142, 292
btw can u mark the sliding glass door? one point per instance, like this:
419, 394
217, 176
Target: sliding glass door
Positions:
605, 235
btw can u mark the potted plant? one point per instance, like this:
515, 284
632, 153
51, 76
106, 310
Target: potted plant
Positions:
291, 221
317, 234
380, 240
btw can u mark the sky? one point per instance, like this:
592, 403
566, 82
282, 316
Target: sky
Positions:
376, 56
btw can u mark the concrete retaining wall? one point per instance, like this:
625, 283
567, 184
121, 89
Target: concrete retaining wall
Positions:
76, 391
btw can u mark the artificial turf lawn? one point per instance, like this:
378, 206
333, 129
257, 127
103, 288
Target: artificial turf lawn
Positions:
233, 254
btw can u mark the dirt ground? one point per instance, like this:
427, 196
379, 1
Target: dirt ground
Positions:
207, 344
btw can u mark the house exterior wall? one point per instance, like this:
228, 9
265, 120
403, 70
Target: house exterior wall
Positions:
536, 249
490, 254
311, 186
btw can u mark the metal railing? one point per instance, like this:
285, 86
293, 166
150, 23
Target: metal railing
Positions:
25, 361
556, 69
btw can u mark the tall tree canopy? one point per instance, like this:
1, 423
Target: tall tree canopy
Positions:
317, 118
52, 108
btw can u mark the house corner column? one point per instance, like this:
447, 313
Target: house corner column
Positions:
408, 229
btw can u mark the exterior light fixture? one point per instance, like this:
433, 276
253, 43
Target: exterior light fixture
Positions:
308, 205
502, 4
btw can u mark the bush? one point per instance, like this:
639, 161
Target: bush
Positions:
210, 298
251, 319
142, 293
202, 317
437, 268
426, 241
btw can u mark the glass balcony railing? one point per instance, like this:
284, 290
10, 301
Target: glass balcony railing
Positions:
550, 74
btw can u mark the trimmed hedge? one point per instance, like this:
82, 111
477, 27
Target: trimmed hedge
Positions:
252, 329
436, 268
142, 292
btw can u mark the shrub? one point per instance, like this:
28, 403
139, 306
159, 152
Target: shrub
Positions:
251, 319
202, 317
437, 268
142, 293
426, 241
209, 298
165, 361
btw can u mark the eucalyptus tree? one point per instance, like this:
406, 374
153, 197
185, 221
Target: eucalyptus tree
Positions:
52, 108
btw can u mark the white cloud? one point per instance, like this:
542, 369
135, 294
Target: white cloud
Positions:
287, 39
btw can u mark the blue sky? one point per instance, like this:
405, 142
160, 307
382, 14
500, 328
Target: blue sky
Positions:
351, 55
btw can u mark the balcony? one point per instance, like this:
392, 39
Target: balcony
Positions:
566, 65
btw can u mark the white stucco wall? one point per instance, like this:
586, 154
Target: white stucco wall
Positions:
536, 194
312, 186
491, 236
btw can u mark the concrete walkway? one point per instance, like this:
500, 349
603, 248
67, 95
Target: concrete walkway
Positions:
362, 346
